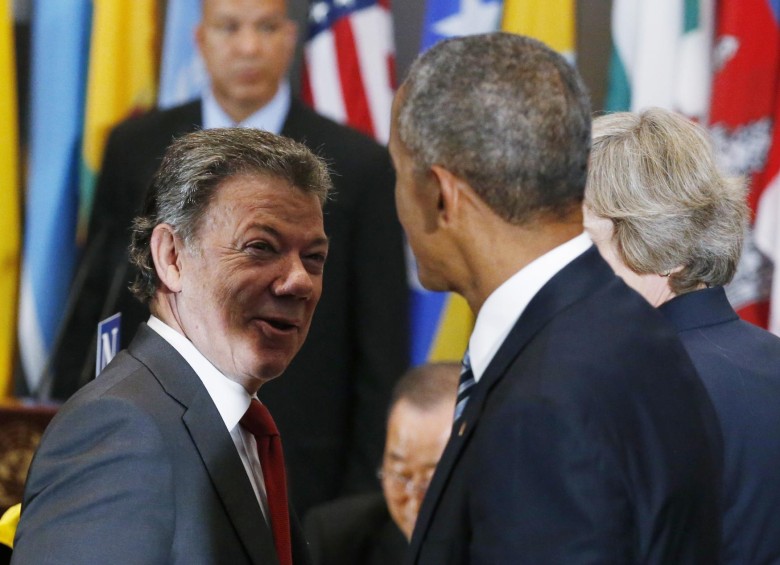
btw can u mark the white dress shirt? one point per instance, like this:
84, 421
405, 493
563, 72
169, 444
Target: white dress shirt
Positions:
269, 118
504, 306
231, 400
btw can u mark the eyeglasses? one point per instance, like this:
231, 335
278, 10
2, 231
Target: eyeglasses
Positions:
400, 481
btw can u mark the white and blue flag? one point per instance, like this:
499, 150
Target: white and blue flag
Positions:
60, 55
182, 74
454, 18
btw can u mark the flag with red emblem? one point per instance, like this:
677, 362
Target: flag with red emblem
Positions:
744, 122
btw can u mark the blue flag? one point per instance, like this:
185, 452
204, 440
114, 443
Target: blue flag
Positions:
442, 322
453, 18
182, 73
60, 55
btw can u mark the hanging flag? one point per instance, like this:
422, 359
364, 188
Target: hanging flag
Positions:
59, 57
661, 56
767, 225
550, 21
743, 123
121, 81
349, 64
182, 74
441, 322
9, 198
455, 18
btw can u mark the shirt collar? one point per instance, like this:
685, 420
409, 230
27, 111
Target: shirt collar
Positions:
505, 305
269, 118
230, 398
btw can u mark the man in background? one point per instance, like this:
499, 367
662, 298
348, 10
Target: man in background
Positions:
169, 457
331, 404
582, 433
375, 529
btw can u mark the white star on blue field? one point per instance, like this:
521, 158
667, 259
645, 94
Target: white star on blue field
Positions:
453, 18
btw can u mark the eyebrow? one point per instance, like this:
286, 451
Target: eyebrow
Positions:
274, 232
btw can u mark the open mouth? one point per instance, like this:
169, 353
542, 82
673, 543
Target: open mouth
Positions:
280, 325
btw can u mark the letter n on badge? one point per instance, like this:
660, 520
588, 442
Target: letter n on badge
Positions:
107, 341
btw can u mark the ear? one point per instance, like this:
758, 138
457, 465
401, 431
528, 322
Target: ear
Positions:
199, 37
291, 39
450, 193
292, 32
166, 249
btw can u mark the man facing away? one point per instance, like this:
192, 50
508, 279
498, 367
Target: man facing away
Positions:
332, 403
582, 432
168, 457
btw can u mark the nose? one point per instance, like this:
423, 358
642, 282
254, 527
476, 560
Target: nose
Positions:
412, 507
249, 40
294, 280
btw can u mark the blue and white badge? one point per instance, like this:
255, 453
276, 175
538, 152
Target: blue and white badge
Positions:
107, 341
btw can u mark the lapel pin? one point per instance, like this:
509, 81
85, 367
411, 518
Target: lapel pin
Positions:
462, 428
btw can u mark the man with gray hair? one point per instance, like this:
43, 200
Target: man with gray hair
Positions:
582, 432
168, 457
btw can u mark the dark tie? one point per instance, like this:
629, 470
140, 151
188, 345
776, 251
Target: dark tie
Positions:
467, 382
259, 423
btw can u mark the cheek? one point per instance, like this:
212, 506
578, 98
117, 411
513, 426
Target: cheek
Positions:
283, 54
234, 299
406, 212
609, 253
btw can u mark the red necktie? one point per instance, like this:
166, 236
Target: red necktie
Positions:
259, 423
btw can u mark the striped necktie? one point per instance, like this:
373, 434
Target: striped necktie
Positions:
467, 382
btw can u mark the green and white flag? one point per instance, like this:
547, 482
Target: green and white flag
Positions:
661, 55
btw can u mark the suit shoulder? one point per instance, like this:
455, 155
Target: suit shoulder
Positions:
611, 346
330, 139
120, 388
160, 122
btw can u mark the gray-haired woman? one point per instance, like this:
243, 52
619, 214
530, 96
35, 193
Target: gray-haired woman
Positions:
671, 225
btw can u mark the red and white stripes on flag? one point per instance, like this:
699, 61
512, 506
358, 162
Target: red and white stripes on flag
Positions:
349, 63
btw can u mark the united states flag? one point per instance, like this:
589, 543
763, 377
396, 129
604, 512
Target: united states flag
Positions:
349, 63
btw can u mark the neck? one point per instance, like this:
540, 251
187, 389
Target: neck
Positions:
240, 112
498, 250
162, 307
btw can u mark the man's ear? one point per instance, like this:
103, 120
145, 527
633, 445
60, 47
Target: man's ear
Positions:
166, 248
450, 192
291, 32
198, 35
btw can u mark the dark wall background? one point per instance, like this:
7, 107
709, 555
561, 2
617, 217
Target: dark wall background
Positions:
593, 43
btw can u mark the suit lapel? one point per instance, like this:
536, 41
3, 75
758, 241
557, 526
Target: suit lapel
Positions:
211, 439
580, 278
229, 477
300, 547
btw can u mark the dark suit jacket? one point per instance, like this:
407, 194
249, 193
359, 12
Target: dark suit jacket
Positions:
330, 404
354, 531
588, 439
138, 467
740, 366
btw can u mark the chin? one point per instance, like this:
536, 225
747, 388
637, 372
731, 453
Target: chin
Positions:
267, 372
432, 282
